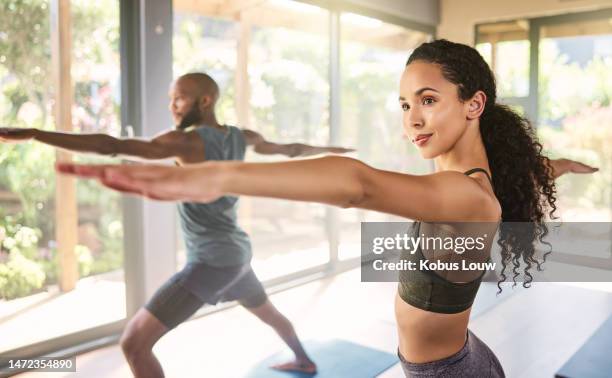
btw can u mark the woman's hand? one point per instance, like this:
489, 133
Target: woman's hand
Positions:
330, 180
196, 183
563, 166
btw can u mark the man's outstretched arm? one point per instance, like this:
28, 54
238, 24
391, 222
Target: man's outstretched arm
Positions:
264, 147
168, 145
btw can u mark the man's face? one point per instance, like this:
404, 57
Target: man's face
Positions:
183, 105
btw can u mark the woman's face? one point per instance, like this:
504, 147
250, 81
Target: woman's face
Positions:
433, 117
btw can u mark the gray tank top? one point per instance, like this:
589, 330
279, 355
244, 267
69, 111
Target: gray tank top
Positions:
211, 233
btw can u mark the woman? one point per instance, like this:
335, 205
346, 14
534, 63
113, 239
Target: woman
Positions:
489, 167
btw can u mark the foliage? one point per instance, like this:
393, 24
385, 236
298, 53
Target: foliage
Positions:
17, 239
51, 264
26, 23
20, 276
575, 107
288, 74
566, 88
26, 170
583, 138
19, 273
111, 256
195, 38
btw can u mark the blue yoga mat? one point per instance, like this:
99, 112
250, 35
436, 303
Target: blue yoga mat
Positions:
334, 359
592, 360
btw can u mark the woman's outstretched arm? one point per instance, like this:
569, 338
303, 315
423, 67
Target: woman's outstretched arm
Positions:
334, 180
563, 166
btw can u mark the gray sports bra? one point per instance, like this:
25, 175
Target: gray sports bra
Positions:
428, 290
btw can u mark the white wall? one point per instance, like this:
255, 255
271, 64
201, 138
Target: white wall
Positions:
458, 17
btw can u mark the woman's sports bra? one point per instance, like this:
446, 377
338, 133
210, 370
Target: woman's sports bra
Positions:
428, 290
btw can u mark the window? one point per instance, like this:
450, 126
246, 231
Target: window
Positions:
569, 100
372, 58
272, 61
284, 47
505, 47
575, 82
29, 262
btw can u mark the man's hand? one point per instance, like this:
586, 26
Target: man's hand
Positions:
15, 135
299, 149
340, 150
264, 147
563, 166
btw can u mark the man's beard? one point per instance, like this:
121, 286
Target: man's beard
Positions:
192, 117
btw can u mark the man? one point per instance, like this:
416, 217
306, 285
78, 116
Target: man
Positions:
219, 252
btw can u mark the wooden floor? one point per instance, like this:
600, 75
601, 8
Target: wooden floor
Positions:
532, 331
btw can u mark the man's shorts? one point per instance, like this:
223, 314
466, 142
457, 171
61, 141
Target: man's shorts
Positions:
199, 284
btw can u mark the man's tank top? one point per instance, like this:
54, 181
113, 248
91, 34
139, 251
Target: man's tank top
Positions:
210, 230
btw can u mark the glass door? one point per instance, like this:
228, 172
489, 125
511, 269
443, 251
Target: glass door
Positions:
39, 299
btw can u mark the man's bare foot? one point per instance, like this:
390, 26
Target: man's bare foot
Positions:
306, 366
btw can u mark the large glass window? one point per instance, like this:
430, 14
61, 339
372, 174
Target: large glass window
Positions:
505, 47
285, 52
276, 55
29, 262
571, 105
288, 65
575, 111
373, 56
208, 44
573, 97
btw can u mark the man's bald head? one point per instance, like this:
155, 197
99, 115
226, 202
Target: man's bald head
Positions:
199, 84
192, 98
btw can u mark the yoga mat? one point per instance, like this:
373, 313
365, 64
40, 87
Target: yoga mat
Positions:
334, 359
594, 358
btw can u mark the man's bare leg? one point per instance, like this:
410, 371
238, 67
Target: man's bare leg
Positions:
137, 340
283, 327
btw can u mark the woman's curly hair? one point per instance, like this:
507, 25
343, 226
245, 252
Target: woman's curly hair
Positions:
522, 175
